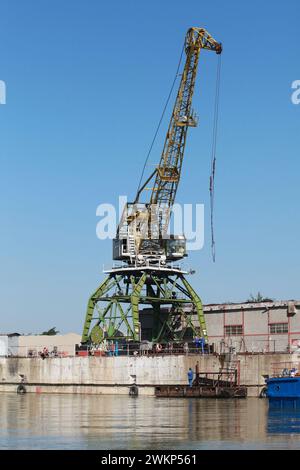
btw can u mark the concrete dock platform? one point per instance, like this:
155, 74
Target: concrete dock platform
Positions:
115, 375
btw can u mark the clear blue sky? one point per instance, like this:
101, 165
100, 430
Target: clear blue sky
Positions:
86, 83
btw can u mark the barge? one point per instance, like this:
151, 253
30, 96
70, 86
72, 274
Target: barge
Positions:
222, 384
185, 391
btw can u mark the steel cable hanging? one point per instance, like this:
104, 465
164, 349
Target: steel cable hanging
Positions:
213, 159
161, 118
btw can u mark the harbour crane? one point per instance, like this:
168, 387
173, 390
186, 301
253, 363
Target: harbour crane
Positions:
147, 276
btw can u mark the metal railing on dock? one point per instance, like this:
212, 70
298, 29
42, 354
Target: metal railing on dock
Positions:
285, 369
141, 349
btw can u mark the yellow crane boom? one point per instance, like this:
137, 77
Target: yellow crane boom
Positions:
169, 169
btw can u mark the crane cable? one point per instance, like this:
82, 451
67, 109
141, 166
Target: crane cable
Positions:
161, 118
213, 159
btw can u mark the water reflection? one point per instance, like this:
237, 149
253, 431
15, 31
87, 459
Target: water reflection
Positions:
120, 422
284, 416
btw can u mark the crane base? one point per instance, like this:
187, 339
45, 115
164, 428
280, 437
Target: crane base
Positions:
115, 309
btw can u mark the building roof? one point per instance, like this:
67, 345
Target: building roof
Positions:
266, 305
10, 334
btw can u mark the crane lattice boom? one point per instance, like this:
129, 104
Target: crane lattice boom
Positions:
169, 169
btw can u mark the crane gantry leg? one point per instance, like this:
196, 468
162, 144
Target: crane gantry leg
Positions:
114, 309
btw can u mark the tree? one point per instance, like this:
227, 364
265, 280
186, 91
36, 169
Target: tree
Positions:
259, 298
52, 332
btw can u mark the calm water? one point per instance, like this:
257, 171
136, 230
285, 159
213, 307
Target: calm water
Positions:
114, 422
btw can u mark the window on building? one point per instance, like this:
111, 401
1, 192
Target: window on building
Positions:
233, 330
277, 328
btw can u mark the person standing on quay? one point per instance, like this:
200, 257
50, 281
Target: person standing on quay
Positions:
190, 375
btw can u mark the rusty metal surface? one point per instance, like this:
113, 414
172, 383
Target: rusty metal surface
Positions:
184, 391
291, 305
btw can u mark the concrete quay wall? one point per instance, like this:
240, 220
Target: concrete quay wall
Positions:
114, 375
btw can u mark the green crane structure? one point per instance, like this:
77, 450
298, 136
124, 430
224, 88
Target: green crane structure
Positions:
147, 276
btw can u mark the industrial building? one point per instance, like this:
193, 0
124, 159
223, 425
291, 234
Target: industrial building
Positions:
255, 327
259, 327
17, 345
